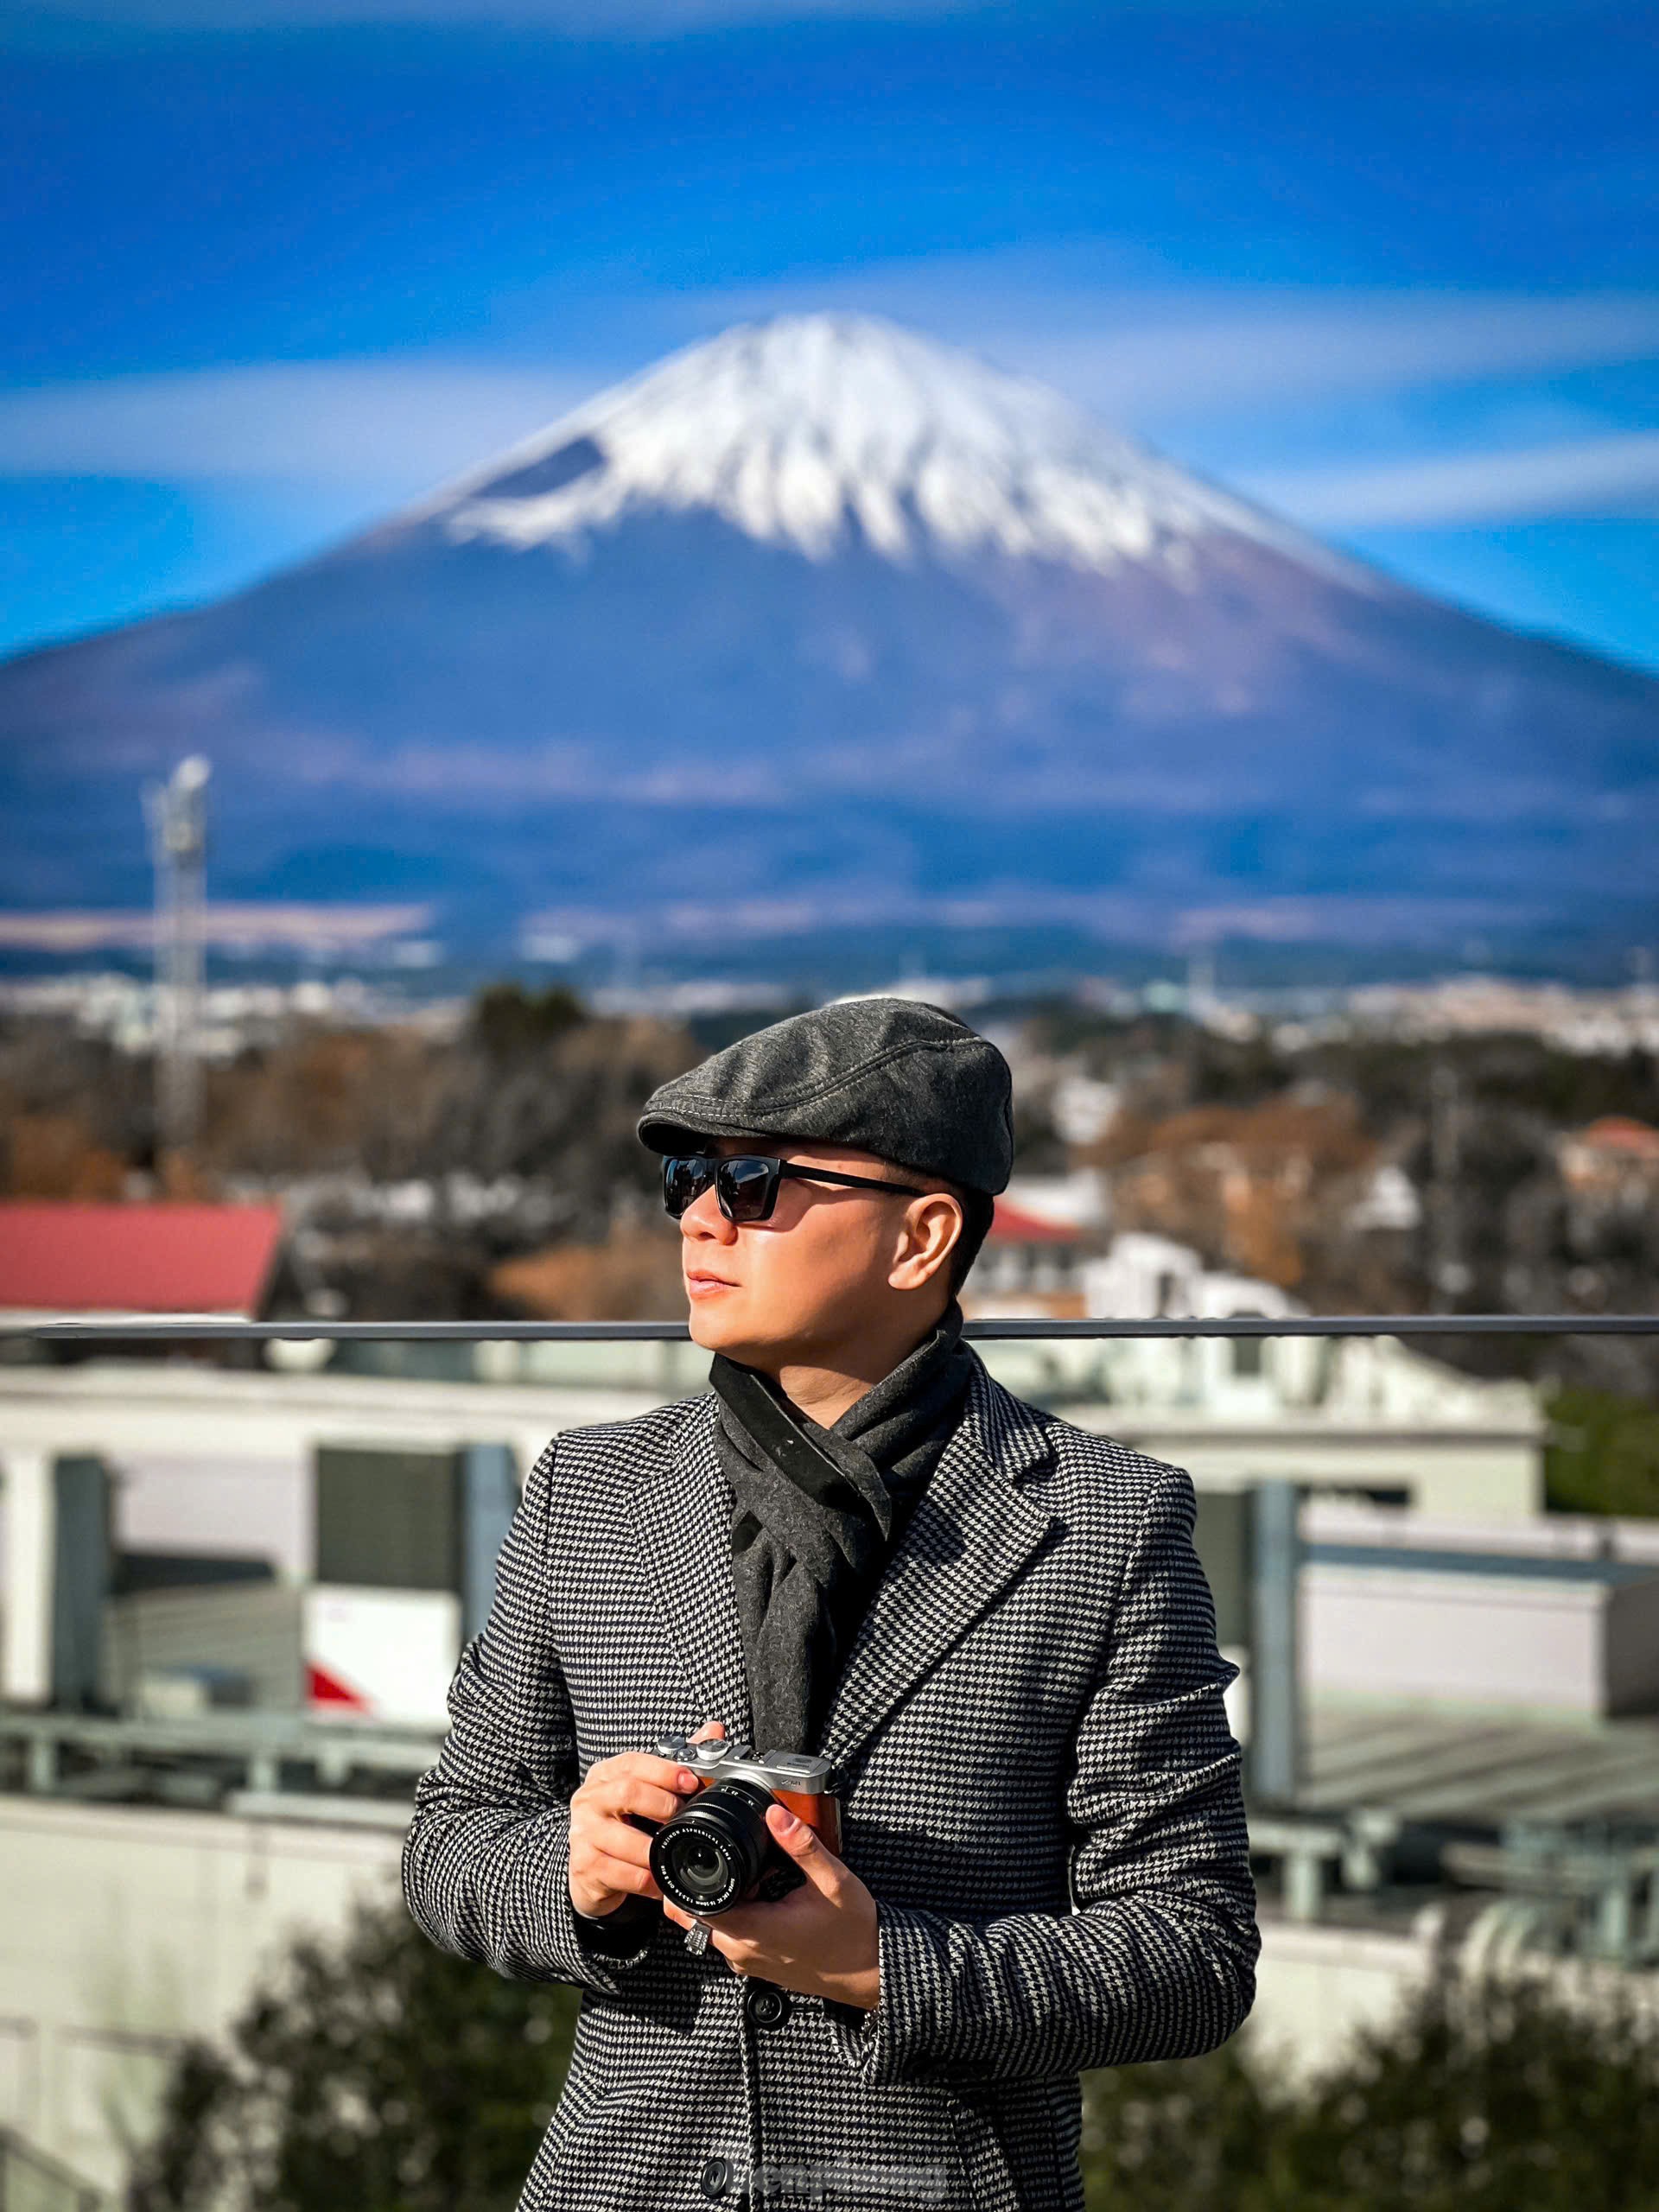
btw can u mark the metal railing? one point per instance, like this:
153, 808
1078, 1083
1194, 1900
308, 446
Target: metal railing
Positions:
214, 1329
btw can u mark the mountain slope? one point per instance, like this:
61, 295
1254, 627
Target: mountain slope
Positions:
820, 625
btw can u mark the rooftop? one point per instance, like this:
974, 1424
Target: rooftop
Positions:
71, 1257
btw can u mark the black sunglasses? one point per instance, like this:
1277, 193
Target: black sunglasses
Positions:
746, 1183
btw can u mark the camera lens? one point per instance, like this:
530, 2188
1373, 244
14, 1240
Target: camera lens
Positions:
699, 1867
710, 1855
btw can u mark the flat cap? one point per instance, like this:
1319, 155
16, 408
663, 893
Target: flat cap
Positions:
898, 1078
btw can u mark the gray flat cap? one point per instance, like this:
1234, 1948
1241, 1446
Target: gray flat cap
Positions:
901, 1078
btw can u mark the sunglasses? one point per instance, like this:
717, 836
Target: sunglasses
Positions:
746, 1184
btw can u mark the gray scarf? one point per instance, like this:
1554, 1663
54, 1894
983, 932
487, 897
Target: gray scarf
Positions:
817, 1513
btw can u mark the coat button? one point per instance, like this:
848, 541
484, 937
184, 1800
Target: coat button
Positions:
716, 2177
766, 2005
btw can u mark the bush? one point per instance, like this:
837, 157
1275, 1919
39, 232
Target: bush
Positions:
1603, 1453
1181, 2135
1492, 2095
382, 2074
1482, 2093
378, 2074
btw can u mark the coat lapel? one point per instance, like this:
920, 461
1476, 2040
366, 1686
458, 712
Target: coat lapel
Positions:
968, 1534
682, 1522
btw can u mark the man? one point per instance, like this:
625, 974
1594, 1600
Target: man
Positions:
859, 1544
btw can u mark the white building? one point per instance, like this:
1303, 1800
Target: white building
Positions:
1364, 1414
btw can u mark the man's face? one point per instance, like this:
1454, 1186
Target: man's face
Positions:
814, 1276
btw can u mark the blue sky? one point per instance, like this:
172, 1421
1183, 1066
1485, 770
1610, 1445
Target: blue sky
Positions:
272, 266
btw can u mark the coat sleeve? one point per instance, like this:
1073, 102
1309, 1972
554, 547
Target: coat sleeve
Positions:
1157, 1957
485, 1860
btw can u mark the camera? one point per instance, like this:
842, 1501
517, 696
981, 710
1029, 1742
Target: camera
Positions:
717, 1851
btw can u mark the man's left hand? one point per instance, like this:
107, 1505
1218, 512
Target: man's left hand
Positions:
819, 1939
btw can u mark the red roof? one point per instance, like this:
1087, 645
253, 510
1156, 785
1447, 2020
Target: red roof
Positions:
61, 1257
1618, 1133
1013, 1225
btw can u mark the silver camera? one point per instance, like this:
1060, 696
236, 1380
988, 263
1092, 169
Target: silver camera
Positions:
717, 1851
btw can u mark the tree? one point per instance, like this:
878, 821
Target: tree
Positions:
1183, 2135
506, 1022
1492, 2094
1603, 1454
1482, 2093
379, 2074
375, 2074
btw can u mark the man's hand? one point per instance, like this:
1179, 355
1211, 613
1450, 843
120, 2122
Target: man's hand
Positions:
610, 1857
820, 1939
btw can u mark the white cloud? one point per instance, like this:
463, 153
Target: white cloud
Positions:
1145, 350
246, 924
395, 425
1243, 355
1595, 476
387, 430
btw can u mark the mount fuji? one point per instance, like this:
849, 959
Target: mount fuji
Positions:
819, 629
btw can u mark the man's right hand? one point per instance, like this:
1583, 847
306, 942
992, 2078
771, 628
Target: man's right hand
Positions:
610, 1857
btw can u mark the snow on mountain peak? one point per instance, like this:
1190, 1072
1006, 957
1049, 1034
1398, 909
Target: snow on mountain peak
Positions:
796, 429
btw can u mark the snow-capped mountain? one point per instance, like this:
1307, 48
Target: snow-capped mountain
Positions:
812, 431
821, 627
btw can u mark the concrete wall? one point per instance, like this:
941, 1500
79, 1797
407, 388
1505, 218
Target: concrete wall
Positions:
1473, 1475
124, 1929
1317, 1985
1553, 1645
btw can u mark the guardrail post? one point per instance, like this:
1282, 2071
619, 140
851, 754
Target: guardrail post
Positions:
489, 1498
1615, 1912
1273, 1759
1304, 1883
40, 1768
81, 1580
31, 1502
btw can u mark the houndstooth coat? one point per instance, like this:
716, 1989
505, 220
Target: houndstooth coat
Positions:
1038, 1786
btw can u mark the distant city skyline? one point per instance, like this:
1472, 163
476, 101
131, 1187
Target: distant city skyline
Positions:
275, 267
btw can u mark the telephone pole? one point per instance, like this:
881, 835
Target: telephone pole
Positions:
1200, 981
1448, 1275
177, 812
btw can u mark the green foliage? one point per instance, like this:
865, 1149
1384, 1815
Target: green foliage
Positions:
506, 1022
378, 2074
1182, 2135
1603, 1453
1492, 2094
1482, 2093
381, 2074
1498, 1069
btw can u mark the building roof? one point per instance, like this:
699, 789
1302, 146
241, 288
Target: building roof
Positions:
59, 1257
1014, 1225
1480, 1770
1619, 1133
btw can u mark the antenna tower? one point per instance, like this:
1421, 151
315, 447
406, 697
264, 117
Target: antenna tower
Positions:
177, 812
